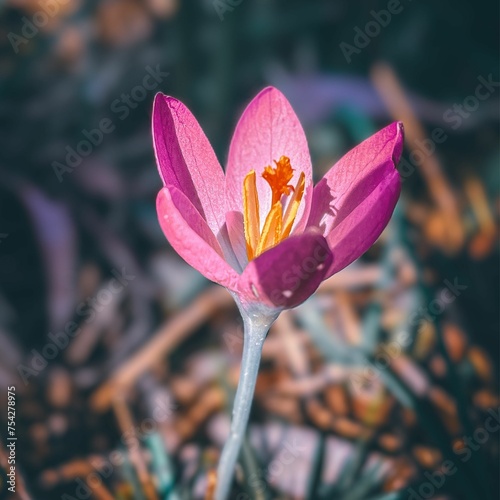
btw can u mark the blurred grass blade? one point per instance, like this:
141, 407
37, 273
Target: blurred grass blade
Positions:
317, 466
368, 482
394, 495
162, 467
130, 476
255, 481
354, 466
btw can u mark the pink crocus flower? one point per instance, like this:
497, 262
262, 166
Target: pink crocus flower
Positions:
262, 230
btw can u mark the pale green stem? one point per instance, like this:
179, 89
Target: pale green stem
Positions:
256, 326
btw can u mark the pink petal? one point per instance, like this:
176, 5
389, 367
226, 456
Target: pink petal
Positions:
354, 201
236, 235
191, 238
359, 231
267, 130
286, 275
186, 159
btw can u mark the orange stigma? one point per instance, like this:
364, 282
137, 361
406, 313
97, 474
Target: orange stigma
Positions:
279, 177
281, 216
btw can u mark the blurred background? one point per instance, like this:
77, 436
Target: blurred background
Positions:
384, 385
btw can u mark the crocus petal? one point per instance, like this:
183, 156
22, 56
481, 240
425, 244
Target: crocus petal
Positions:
186, 159
358, 232
268, 130
353, 203
191, 238
236, 236
287, 274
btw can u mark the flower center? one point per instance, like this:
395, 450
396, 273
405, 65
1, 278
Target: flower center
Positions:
281, 216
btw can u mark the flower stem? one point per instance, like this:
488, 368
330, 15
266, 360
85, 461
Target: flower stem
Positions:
255, 331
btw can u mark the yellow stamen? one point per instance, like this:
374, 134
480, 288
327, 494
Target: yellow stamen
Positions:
251, 216
271, 232
277, 225
293, 206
